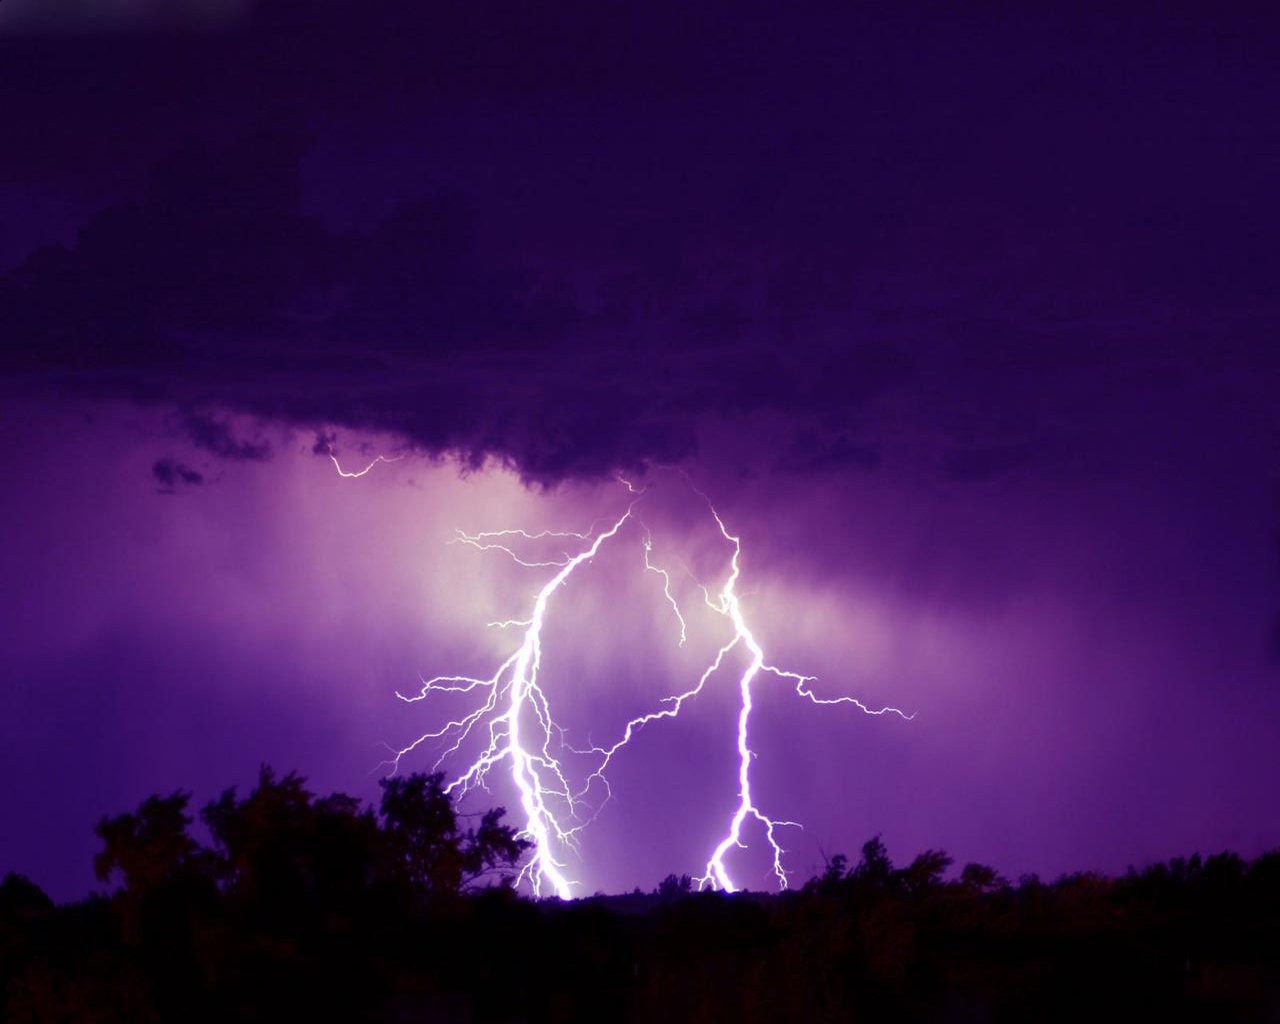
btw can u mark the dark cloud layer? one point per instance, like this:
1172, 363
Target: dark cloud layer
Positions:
214, 292
217, 438
170, 474
570, 242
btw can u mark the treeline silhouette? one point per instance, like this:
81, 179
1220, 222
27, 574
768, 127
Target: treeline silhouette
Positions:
304, 908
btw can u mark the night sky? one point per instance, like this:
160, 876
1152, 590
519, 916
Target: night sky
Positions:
963, 315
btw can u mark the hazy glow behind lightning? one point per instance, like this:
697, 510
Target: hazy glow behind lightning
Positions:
516, 718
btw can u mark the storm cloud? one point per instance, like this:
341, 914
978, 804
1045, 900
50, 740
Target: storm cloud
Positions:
458, 232
170, 474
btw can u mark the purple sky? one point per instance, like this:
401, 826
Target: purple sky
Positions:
964, 317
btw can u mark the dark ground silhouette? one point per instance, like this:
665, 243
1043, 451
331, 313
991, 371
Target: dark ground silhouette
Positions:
306, 908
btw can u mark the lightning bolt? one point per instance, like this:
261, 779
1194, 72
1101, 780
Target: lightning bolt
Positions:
360, 472
514, 694
514, 718
728, 604
666, 586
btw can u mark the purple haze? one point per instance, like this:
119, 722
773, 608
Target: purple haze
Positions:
965, 320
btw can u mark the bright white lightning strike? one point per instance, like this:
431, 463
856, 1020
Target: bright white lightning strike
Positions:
536, 771
666, 586
515, 716
361, 472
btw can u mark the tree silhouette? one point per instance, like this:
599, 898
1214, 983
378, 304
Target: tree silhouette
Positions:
147, 847
20, 897
282, 856
428, 849
980, 878
674, 886
875, 868
925, 871
280, 851
303, 907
